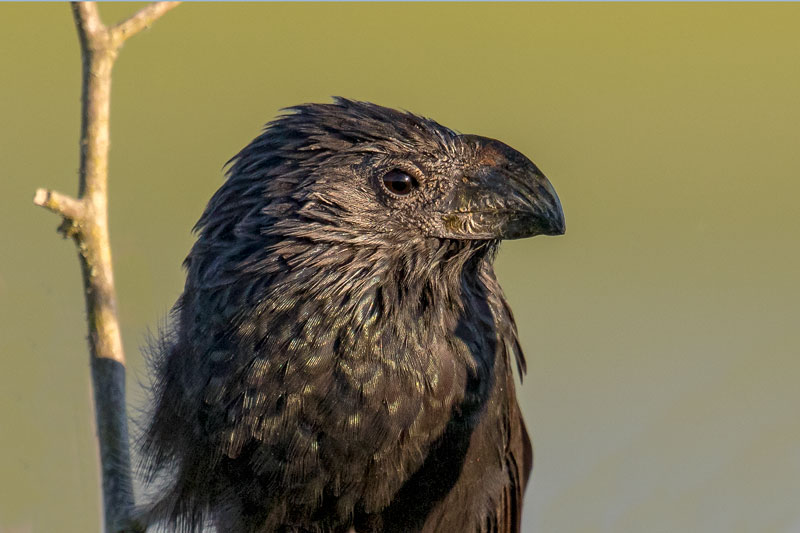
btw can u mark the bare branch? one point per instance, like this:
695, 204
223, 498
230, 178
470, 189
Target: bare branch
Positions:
60, 204
86, 221
139, 21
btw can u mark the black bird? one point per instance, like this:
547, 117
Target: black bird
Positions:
341, 356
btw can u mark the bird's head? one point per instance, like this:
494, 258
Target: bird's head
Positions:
357, 173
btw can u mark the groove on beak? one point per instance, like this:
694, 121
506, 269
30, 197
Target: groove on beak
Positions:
506, 197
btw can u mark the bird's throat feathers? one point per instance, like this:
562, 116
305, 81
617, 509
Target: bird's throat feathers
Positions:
397, 283
355, 301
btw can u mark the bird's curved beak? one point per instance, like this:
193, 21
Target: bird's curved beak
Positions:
507, 199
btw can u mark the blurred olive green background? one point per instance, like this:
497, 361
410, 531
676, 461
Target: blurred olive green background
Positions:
661, 332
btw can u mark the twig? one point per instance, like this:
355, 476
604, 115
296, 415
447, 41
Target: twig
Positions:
59, 204
86, 222
141, 20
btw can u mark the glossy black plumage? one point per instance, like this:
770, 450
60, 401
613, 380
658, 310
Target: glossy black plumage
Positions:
341, 357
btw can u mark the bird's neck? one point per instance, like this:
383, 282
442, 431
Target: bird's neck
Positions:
413, 275
436, 289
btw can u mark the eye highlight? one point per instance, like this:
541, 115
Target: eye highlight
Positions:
398, 182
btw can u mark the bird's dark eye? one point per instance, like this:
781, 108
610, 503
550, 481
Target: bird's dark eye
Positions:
399, 183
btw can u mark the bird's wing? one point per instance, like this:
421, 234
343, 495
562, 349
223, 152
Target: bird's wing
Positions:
506, 515
518, 464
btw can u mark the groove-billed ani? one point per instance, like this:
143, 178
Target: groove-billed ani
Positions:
341, 356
